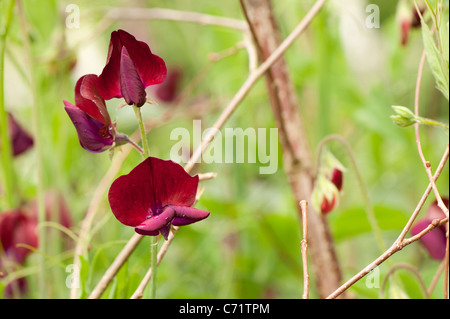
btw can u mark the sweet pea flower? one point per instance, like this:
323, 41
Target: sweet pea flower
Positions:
91, 118
130, 68
155, 195
435, 240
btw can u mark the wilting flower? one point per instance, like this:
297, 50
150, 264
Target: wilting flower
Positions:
155, 195
130, 68
21, 141
435, 240
91, 118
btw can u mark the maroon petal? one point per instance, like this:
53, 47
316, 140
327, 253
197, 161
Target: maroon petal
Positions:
327, 206
21, 140
336, 178
187, 215
434, 212
88, 99
132, 88
109, 84
434, 241
151, 68
148, 188
156, 222
91, 133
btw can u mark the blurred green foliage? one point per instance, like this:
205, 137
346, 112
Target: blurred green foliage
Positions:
250, 245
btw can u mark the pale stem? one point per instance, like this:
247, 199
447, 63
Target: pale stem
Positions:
304, 247
38, 147
153, 239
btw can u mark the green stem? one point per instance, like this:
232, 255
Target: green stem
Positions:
38, 148
5, 143
369, 209
154, 239
431, 122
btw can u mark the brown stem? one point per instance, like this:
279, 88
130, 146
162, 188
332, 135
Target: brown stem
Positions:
298, 161
304, 246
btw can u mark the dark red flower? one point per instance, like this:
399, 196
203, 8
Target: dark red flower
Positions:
21, 141
16, 227
434, 241
130, 68
91, 118
154, 195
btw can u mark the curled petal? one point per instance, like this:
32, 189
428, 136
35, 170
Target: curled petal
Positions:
93, 135
133, 90
88, 99
156, 222
150, 68
187, 215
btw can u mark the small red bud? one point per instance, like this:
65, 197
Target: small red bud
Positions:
327, 206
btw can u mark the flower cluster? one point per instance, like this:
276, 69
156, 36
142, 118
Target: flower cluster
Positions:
155, 194
130, 68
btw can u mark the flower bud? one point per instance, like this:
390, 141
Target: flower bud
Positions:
325, 196
404, 117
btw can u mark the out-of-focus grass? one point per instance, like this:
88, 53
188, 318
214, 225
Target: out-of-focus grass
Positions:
250, 245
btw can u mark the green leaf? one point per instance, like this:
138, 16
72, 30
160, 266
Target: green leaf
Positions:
353, 221
437, 65
84, 271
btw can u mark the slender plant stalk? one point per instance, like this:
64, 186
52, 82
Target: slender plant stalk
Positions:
425, 163
37, 145
304, 247
154, 239
366, 198
5, 143
401, 242
413, 270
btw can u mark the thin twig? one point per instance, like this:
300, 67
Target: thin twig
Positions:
400, 242
304, 246
175, 15
411, 269
426, 164
436, 277
251, 80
